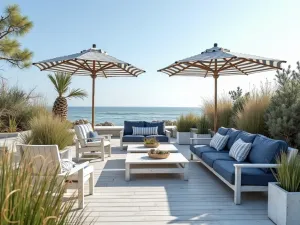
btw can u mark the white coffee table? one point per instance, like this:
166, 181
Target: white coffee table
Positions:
141, 163
140, 148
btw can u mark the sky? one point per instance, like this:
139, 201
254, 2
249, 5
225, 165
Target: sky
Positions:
152, 34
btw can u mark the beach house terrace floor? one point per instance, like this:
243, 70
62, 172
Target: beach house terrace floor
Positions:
167, 199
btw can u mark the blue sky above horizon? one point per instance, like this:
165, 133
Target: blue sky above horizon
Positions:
151, 35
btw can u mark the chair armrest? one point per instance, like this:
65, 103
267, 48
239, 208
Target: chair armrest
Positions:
82, 139
256, 165
201, 141
121, 133
75, 169
168, 134
106, 136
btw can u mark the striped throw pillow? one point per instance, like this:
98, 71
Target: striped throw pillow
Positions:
144, 131
240, 150
219, 141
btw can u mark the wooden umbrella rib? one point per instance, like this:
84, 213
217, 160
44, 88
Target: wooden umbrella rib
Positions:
78, 64
106, 66
234, 65
85, 62
204, 66
226, 62
209, 67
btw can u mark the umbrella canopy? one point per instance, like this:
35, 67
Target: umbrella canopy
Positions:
216, 61
92, 62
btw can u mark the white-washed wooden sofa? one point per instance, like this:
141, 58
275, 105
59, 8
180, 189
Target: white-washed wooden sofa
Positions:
127, 137
47, 161
252, 175
97, 147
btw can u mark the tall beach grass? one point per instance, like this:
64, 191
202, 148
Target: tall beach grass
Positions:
185, 122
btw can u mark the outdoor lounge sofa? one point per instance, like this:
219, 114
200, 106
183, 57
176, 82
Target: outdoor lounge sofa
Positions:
252, 175
126, 135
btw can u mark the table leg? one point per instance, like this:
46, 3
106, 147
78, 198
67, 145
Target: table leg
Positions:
186, 171
127, 172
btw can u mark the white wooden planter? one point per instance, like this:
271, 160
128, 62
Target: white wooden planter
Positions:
283, 206
66, 153
183, 138
200, 136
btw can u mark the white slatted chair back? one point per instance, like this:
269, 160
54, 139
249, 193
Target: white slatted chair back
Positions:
82, 132
45, 158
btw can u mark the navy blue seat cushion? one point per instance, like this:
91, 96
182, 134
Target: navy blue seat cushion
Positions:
200, 149
133, 138
129, 124
223, 130
250, 176
210, 157
265, 150
92, 136
246, 137
159, 138
161, 130
232, 133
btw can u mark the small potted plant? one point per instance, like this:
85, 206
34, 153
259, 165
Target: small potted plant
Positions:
151, 143
284, 196
184, 124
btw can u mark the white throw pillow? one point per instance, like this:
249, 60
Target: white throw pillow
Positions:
67, 165
240, 150
219, 141
144, 131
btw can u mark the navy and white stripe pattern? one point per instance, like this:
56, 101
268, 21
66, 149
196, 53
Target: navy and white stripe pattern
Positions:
144, 131
240, 150
219, 141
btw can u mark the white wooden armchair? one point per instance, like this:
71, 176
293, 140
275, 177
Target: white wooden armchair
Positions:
96, 147
76, 177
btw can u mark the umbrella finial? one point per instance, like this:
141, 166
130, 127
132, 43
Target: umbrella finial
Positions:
215, 44
94, 46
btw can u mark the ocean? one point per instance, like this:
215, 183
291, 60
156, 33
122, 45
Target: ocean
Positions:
117, 115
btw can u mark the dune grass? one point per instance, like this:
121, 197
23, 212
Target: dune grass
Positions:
47, 129
185, 122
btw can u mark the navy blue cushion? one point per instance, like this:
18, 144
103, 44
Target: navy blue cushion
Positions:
250, 176
223, 130
200, 149
92, 135
265, 150
133, 138
246, 137
159, 138
210, 157
129, 124
161, 130
232, 133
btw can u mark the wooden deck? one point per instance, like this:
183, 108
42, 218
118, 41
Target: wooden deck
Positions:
168, 199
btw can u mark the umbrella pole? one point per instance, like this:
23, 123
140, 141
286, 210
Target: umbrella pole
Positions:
216, 102
93, 101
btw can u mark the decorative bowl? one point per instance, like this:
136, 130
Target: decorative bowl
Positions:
158, 156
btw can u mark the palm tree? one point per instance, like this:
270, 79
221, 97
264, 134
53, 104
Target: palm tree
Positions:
61, 82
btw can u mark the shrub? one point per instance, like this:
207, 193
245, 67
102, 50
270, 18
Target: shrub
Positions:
47, 129
24, 200
288, 173
224, 111
18, 107
282, 117
203, 125
186, 122
251, 117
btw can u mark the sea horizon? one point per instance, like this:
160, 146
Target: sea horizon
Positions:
118, 114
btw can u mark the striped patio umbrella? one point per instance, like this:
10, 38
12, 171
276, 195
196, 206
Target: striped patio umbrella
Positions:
92, 62
216, 61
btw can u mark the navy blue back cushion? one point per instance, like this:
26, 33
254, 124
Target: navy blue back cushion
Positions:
129, 124
223, 130
265, 150
92, 135
232, 133
246, 137
161, 130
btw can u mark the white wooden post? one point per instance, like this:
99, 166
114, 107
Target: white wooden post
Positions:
109, 154
102, 149
91, 183
127, 172
80, 189
77, 150
237, 185
186, 171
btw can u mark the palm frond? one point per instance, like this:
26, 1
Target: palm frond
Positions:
77, 93
61, 82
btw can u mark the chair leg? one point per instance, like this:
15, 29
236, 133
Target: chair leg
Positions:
102, 151
237, 186
77, 155
91, 183
80, 189
109, 153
